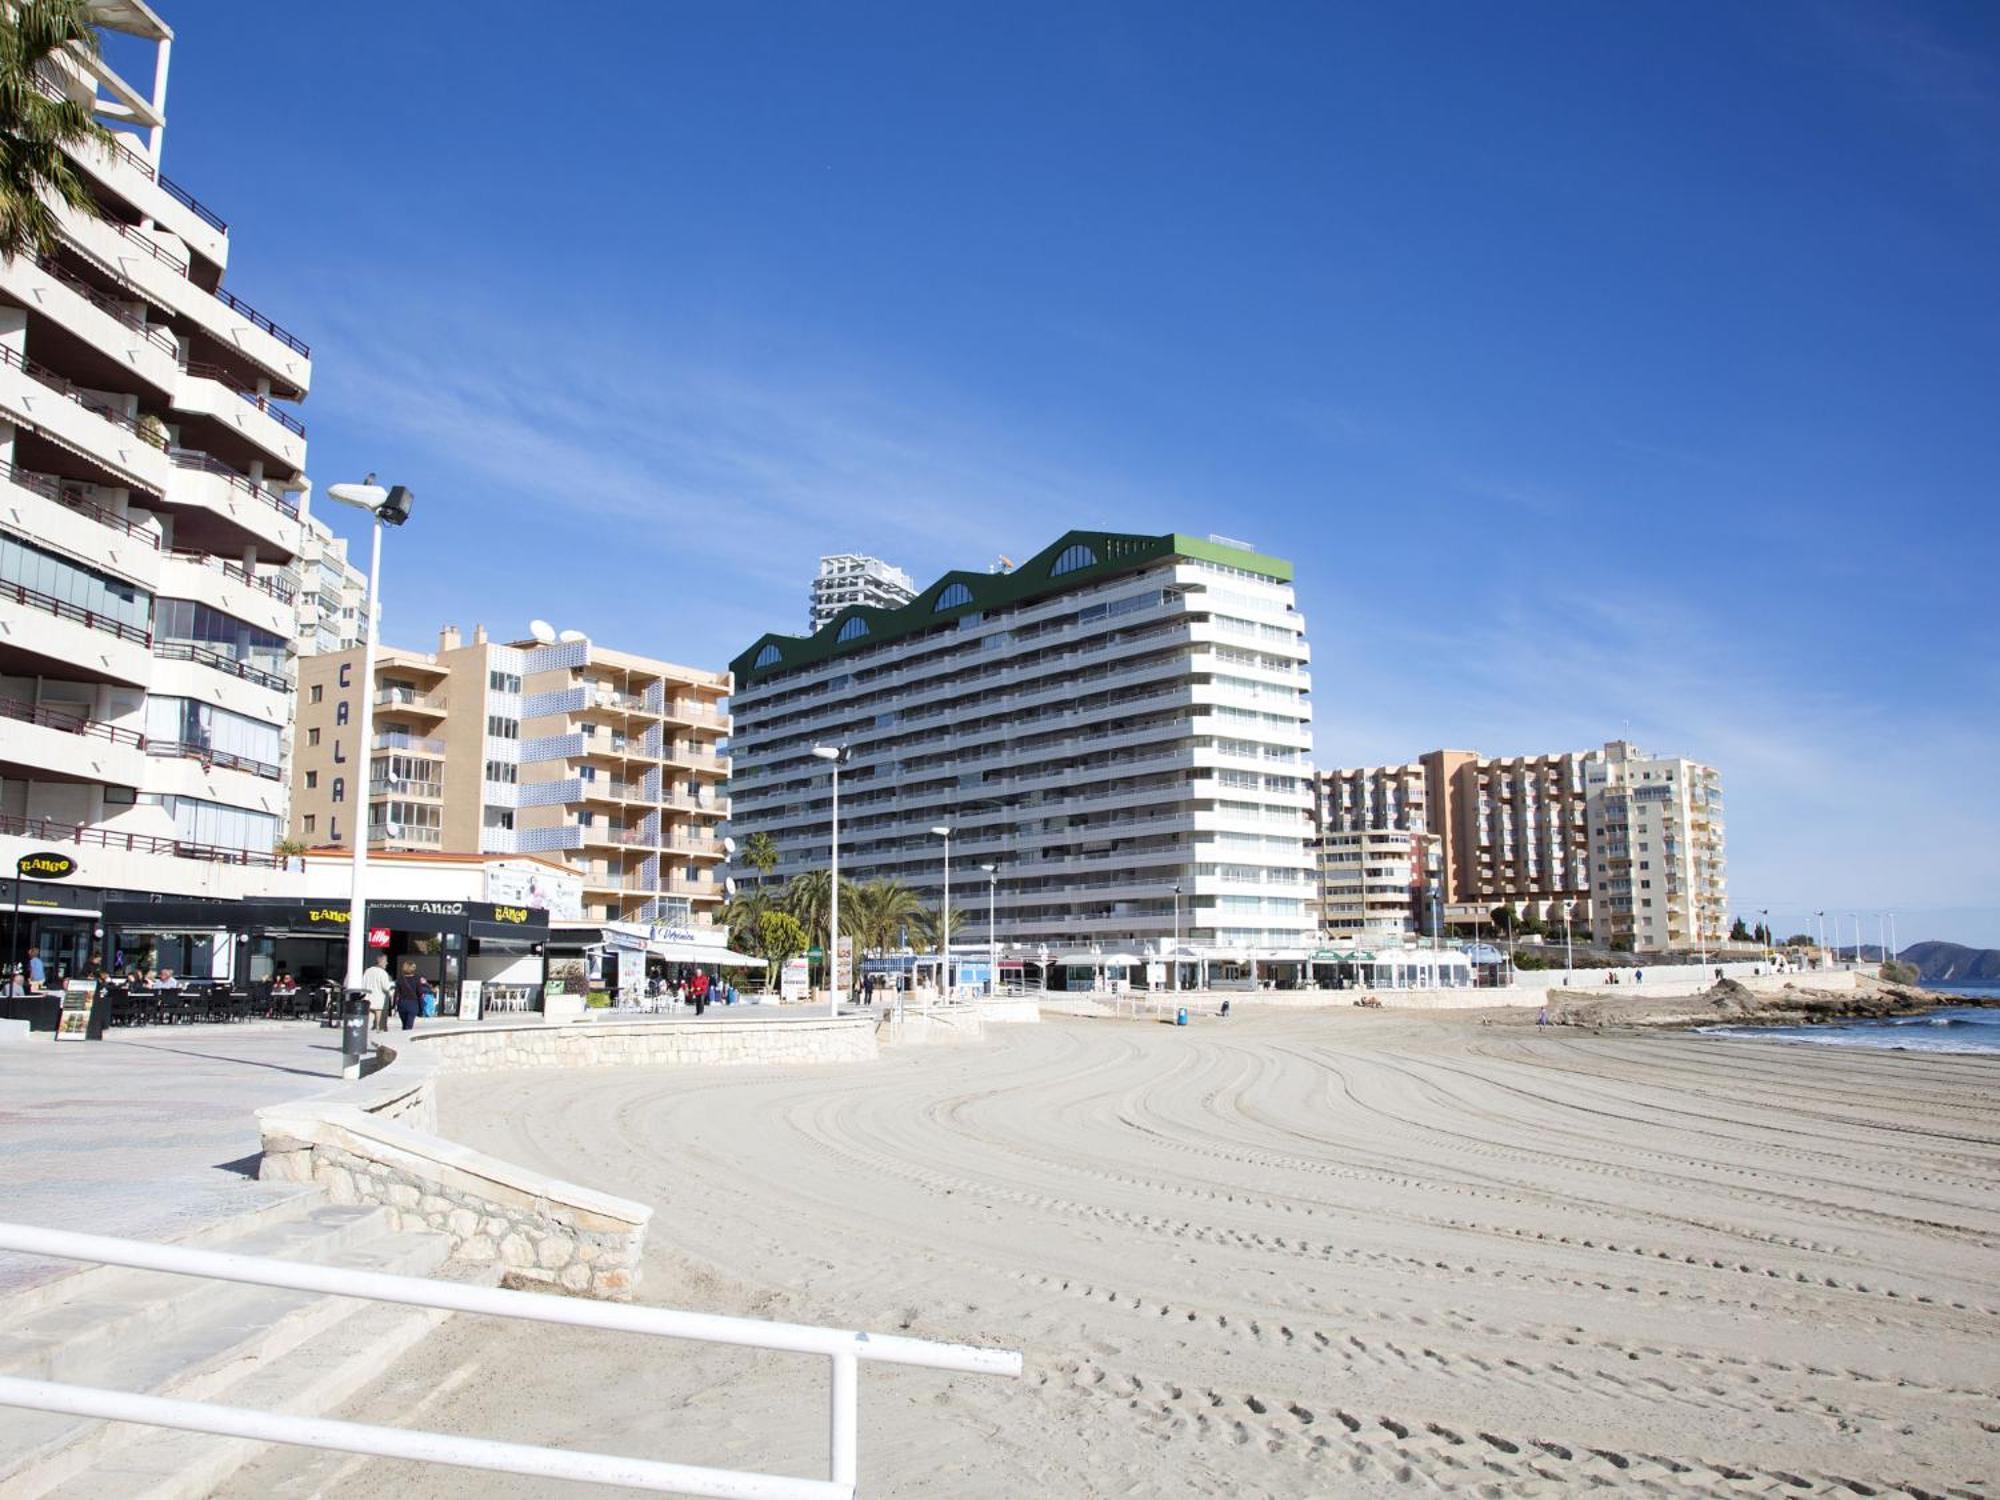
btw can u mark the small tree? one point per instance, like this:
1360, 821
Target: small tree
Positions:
1739, 932
780, 937
1503, 918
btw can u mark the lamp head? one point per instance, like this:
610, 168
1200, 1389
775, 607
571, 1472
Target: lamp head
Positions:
940, 832
829, 752
990, 870
395, 510
367, 495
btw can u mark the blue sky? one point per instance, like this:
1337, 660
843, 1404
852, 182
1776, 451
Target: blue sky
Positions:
1604, 369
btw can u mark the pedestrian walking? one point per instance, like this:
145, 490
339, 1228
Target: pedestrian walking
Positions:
409, 996
698, 992
38, 977
380, 990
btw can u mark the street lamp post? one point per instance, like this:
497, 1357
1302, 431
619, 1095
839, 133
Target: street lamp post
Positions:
1769, 943
1855, 918
832, 755
1175, 986
944, 914
1569, 949
388, 507
992, 930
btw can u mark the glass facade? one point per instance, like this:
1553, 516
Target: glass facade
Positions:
190, 622
86, 588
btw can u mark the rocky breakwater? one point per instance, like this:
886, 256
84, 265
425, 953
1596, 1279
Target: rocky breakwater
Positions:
1728, 1002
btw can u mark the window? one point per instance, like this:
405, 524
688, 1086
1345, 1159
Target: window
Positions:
503, 728
503, 682
312, 823
1072, 558
201, 822
190, 623
57, 578
340, 788
318, 691
312, 737
503, 771
184, 725
853, 630
768, 657
340, 712
952, 598
312, 780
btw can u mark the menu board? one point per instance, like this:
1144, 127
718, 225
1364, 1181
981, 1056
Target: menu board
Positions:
78, 1001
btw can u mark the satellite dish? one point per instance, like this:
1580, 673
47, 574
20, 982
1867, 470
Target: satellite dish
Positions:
729, 886
542, 631
572, 636
729, 846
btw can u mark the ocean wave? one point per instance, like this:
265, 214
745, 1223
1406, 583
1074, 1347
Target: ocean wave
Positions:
1877, 1039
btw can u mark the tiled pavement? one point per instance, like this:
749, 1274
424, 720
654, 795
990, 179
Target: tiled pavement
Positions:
150, 1133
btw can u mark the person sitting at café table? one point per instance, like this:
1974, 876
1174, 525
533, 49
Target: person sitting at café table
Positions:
166, 981
284, 984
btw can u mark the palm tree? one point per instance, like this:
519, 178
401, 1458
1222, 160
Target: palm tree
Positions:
741, 914
882, 909
924, 926
36, 131
760, 853
809, 898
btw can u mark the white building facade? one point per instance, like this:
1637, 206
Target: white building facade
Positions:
1119, 728
846, 579
154, 482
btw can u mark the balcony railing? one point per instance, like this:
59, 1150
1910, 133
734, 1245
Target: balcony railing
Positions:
51, 487
396, 786
210, 757
270, 583
36, 599
292, 341
378, 833
62, 386
138, 162
190, 458
152, 333
68, 723
422, 744
221, 376
50, 831
208, 657
398, 697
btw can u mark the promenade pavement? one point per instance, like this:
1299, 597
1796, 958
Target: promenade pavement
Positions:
148, 1133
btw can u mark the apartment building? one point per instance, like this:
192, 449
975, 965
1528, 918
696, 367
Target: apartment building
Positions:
1656, 849
154, 480
332, 592
847, 579
605, 761
1118, 728
1518, 831
1377, 884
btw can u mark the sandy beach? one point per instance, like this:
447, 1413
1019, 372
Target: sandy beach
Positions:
1322, 1253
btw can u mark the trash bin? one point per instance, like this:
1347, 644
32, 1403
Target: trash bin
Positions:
354, 1021
1180, 1016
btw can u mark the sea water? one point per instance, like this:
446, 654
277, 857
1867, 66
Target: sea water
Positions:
1951, 1029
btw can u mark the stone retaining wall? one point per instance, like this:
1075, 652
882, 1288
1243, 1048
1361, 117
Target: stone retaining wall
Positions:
710, 1041
942, 1026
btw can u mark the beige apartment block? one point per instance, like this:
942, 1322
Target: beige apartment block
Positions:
607, 761
1551, 835
1374, 883
1656, 850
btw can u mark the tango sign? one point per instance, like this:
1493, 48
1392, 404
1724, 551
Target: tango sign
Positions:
45, 866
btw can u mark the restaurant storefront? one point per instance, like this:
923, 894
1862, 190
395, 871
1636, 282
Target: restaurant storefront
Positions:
485, 955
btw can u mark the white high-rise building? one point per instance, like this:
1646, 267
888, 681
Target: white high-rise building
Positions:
1120, 727
846, 579
154, 479
332, 592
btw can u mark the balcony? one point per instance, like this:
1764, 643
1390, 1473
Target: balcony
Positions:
271, 433
419, 744
210, 758
421, 838
76, 497
207, 657
85, 420
52, 743
409, 701
397, 786
50, 831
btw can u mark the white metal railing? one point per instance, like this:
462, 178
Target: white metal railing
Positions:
844, 1349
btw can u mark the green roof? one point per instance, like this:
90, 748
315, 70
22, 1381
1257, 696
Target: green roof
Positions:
1072, 561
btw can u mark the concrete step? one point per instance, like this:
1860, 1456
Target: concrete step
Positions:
69, 1338
157, 1464
198, 1340
41, 1283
